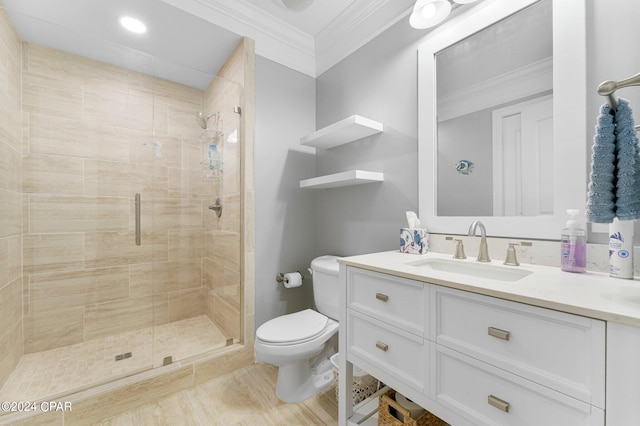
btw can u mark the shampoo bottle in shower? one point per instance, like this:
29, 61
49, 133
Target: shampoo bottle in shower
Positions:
573, 245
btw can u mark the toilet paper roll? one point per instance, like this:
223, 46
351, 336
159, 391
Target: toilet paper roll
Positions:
415, 409
292, 279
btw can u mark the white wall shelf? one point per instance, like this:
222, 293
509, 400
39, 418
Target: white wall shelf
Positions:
351, 177
344, 131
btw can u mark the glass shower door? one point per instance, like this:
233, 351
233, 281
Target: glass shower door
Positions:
196, 266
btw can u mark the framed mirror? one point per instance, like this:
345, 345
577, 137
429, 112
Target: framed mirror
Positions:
502, 127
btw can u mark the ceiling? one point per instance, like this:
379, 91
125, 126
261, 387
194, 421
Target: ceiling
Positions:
189, 40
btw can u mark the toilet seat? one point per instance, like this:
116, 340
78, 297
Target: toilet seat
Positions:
298, 327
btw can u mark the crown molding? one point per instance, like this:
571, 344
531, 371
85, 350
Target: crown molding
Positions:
275, 39
360, 23
280, 42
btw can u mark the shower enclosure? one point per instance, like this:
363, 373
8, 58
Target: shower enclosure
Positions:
111, 260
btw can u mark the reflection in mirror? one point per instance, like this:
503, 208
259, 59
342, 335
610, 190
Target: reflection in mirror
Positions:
495, 119
465, 150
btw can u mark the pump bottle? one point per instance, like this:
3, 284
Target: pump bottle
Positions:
573, 244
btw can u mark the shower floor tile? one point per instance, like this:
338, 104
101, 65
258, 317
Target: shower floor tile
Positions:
70, 368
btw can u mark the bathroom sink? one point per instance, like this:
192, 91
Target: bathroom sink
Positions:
478, 270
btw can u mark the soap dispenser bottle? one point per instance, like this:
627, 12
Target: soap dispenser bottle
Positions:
573, 245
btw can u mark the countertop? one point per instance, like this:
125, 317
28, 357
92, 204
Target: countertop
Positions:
590, 294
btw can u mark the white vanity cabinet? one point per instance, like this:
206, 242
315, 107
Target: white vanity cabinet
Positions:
473, 359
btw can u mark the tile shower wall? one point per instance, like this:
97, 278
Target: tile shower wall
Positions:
93, 136
11, 282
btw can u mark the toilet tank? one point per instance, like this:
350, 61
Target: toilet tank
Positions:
325, 285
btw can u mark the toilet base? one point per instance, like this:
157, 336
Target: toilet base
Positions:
299, 381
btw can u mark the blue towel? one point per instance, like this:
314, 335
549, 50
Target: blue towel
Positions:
628, 164
614, 188
601, 202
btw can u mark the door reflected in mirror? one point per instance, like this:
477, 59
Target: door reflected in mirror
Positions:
494, 112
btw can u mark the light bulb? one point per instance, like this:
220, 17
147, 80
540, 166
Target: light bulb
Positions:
428, 11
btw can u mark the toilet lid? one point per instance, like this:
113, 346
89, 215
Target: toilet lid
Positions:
303, 325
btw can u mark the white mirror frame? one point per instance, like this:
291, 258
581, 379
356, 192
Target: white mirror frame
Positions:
569, 119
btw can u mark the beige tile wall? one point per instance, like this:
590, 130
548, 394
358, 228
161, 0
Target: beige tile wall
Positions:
11, 282
95, 135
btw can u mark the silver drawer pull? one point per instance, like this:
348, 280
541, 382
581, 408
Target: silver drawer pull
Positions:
498, 403
500, 334
382, 346
382, 296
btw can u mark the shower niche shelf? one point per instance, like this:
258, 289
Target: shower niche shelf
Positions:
344, 131
351, 177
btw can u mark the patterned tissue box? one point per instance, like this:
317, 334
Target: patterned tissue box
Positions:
415, 241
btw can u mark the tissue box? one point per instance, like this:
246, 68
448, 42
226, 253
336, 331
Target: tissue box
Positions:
415, 241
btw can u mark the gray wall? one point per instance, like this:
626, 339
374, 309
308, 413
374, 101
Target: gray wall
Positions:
285, 214
469, 138
379, 81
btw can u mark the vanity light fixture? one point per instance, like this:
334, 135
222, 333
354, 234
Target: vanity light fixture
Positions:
429, 13
132, 24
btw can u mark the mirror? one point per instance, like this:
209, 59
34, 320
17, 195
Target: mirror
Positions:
495, 85
495, 119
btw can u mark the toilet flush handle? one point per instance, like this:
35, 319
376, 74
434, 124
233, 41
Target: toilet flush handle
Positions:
310, 271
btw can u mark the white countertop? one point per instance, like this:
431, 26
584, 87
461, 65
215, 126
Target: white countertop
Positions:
590, 294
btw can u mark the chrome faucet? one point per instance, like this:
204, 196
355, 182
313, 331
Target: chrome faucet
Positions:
483, 253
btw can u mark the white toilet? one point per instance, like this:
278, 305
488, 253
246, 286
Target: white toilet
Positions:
300, 344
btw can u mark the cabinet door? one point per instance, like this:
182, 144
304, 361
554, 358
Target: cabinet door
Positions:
562, 351
392, 355
486, 395
396, 301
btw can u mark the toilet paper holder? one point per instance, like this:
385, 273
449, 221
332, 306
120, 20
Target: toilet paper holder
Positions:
282, 279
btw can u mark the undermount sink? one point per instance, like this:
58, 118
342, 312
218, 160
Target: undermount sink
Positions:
478, 270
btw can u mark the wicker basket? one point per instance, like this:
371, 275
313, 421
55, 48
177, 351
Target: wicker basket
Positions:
364, 385
388, 410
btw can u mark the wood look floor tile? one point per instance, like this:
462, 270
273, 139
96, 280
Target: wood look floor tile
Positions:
244, 397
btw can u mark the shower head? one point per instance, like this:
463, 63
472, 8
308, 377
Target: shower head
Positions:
202, 120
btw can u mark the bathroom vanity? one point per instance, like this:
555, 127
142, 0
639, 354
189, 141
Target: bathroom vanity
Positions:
486, 344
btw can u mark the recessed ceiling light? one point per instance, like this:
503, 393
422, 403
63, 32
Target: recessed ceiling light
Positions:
132, 24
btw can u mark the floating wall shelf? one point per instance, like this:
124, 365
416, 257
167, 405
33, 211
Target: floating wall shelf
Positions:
351, 177
344, 131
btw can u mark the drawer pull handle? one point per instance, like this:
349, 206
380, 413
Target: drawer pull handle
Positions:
382, 296
498, 403
382, 346
500, 334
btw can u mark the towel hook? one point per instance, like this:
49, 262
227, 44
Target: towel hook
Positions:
609, 87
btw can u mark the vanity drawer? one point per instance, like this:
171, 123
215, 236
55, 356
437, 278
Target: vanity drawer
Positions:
562, 351
397, 301
386, 351
487, 395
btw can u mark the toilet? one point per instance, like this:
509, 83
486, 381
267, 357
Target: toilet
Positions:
300, 344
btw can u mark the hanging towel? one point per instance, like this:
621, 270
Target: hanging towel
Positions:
601, 207
628, 164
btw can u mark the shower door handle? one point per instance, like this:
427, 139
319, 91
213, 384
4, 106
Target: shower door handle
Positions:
138, 237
